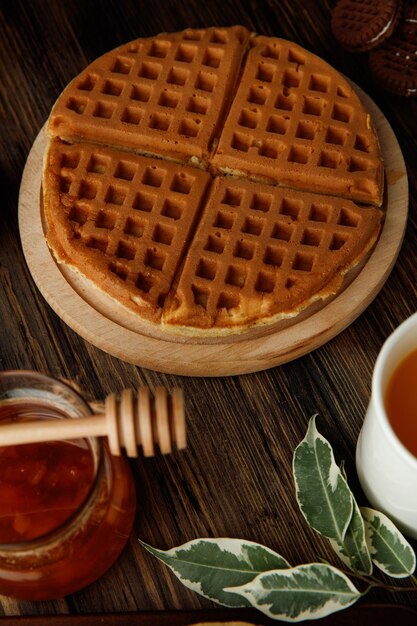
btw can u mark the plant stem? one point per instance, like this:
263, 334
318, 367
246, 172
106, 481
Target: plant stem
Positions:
374, 582
394, 588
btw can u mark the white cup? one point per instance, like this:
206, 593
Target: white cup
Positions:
387, 470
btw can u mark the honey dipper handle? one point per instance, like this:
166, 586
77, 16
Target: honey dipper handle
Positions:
130, 422
18, 433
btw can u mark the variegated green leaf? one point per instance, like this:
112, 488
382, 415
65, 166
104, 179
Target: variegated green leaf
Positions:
343, 469
304, 592
390, 551
208, 565
354, 550
322, 492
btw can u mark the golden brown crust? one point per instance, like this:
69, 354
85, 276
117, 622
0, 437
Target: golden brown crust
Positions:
121, 220
261, 252
297, 122
165, 95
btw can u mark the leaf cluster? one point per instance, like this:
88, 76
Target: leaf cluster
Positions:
238, 573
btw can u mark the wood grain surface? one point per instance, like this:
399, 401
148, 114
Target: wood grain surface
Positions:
360, 615
235, 477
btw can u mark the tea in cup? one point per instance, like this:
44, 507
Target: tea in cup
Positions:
386, 452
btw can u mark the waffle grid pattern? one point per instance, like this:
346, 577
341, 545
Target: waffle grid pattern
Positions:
259, 251
295, 123
168, 91
266, 249
129, 215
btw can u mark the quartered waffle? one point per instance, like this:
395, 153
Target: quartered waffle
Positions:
295, 121
122, 220
165, 95
263, 253
185, 250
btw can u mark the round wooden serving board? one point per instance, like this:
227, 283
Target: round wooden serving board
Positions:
119, 332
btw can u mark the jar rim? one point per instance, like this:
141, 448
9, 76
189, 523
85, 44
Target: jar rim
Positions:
96, 449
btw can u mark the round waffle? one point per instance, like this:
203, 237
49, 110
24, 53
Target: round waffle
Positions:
199, 251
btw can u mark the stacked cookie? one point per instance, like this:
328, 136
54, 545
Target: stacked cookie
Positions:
388, 31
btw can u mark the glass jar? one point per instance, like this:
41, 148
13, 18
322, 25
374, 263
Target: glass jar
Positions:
66, 508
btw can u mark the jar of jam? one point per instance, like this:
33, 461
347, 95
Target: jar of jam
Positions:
66, 507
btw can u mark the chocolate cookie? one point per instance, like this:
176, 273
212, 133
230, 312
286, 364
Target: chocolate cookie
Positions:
394, 66
362, 25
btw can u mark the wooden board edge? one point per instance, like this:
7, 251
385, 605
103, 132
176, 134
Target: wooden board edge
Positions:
223, 358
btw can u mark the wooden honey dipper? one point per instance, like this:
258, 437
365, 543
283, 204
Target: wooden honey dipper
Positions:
128, 423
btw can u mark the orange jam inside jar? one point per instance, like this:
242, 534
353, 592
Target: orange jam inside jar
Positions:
66, 507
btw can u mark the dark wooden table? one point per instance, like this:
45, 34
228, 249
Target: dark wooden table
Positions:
235, 477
